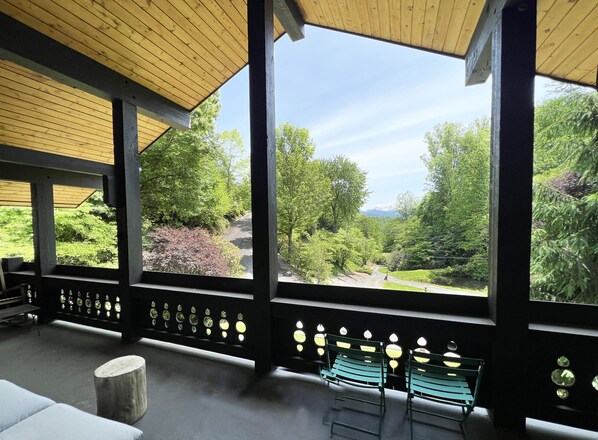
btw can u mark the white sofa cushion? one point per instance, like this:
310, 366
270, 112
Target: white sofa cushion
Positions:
63, 422
17, 404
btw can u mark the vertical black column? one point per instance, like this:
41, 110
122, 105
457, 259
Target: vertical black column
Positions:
44, 241
263, 174
513, 71
128, 208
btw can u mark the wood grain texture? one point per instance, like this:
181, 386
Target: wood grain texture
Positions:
565, 29
19, 194
121, 389
185, 50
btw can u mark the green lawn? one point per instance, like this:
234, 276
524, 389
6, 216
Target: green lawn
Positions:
432, 276
398, 286
418, 275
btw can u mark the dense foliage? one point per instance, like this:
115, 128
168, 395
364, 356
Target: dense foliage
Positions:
564, 264
190, 251
193, 182
16, 232
449, 227
190, 177
347, 192
302, 188
320, 231
85, 236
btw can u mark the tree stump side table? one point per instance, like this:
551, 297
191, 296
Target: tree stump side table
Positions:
121, 389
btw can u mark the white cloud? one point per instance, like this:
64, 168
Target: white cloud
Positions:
355, 124
375, 106
389, 206
377, 174
391, 153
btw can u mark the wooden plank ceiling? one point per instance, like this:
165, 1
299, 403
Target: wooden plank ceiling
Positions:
183, 50
41, 114
18, 194
567, 33
186, 49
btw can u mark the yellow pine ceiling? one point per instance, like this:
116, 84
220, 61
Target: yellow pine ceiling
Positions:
186, 49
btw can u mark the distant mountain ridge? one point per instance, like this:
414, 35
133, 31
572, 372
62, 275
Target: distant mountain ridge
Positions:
379, 213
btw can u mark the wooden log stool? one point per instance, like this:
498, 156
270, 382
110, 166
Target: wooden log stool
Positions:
121, 389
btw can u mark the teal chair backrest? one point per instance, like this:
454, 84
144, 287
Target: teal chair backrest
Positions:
447, 367
360, 350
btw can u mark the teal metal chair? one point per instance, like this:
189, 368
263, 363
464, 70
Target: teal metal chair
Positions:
356, 363
443, 379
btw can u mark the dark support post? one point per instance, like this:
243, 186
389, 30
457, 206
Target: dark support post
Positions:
44, 241
263, 174
513, 71
128, 209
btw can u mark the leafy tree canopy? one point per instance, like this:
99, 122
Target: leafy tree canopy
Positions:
449, 226
348, 191
564, 263
302, 189
181, 178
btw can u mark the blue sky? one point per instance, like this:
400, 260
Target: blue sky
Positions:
368, 100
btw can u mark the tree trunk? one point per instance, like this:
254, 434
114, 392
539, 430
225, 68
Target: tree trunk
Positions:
290, 244
121, 389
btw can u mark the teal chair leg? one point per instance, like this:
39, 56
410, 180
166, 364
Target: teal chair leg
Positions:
382, 412
463, 422
409, 412
411, 423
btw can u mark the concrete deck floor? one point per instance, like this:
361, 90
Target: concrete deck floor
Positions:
198, 395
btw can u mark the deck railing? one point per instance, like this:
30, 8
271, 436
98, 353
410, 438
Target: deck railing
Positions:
563, 356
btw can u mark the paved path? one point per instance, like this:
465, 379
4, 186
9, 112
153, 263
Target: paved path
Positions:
377, 278
239, 234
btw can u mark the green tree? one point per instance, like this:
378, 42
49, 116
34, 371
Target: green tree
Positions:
348, 191
564, 259
232, 158
314, 257
234, 164
181, 178
456, 208
16, 232
371, 227
86, 236
406, 204
413, 250
302, 190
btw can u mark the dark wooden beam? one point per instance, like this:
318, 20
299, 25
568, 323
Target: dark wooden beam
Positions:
35, 51
511, 174
478, 57
110, 191
44, 242
128, 209
34, 158
263, 174
291, 19
31, 174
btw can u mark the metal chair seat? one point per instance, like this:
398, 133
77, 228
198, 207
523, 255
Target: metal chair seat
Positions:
445, 380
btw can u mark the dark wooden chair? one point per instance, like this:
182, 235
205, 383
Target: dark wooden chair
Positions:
356, 363
14, 304
443, 379
6, 291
